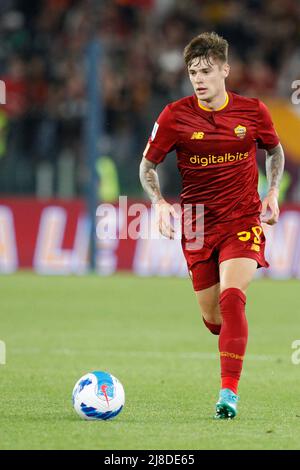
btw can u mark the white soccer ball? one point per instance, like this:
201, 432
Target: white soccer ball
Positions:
98, 395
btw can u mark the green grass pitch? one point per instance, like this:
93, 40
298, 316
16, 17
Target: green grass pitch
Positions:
149, 334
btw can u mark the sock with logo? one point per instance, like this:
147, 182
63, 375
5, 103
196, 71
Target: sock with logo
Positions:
233, 336
213, 327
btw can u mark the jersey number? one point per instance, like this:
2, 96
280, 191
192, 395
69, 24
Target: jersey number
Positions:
256, 231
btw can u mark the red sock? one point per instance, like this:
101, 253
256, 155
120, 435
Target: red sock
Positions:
233, 336
230, 382
213, 327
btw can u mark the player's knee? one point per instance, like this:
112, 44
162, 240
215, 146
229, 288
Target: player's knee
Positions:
212, 319
210, 309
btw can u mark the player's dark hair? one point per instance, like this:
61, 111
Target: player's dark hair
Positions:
207, 46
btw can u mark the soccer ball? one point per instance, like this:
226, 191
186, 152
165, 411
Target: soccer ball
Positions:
98, 395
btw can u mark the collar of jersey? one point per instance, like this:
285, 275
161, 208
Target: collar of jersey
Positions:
214, 110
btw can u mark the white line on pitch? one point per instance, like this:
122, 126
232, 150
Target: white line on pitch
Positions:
146, 354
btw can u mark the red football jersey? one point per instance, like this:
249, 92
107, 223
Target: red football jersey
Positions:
216, 153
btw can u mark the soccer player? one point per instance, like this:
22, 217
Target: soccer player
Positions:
215, 133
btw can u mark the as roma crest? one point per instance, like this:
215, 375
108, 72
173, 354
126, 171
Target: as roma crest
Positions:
240, 131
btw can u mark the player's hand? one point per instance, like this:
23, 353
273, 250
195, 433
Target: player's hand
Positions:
270, 209
164, 212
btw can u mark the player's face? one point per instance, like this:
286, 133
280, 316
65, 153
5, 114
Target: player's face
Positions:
207, 77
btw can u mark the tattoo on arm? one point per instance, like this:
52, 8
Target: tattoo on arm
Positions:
274, 166
149, 180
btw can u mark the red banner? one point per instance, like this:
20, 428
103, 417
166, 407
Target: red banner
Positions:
52, 237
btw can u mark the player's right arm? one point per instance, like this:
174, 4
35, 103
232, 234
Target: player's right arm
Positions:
150, 181
164, 210
163, 140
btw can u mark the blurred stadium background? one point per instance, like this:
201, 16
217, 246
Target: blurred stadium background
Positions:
54, 166
45, 164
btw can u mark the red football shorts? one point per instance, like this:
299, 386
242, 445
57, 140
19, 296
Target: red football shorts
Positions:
240, 239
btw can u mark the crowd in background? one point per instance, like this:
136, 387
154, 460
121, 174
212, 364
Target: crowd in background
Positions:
42, 61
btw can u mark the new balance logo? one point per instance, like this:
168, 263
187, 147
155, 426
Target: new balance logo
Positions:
255, 247
197, 135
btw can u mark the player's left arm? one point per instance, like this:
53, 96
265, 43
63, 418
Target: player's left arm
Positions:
274, 171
